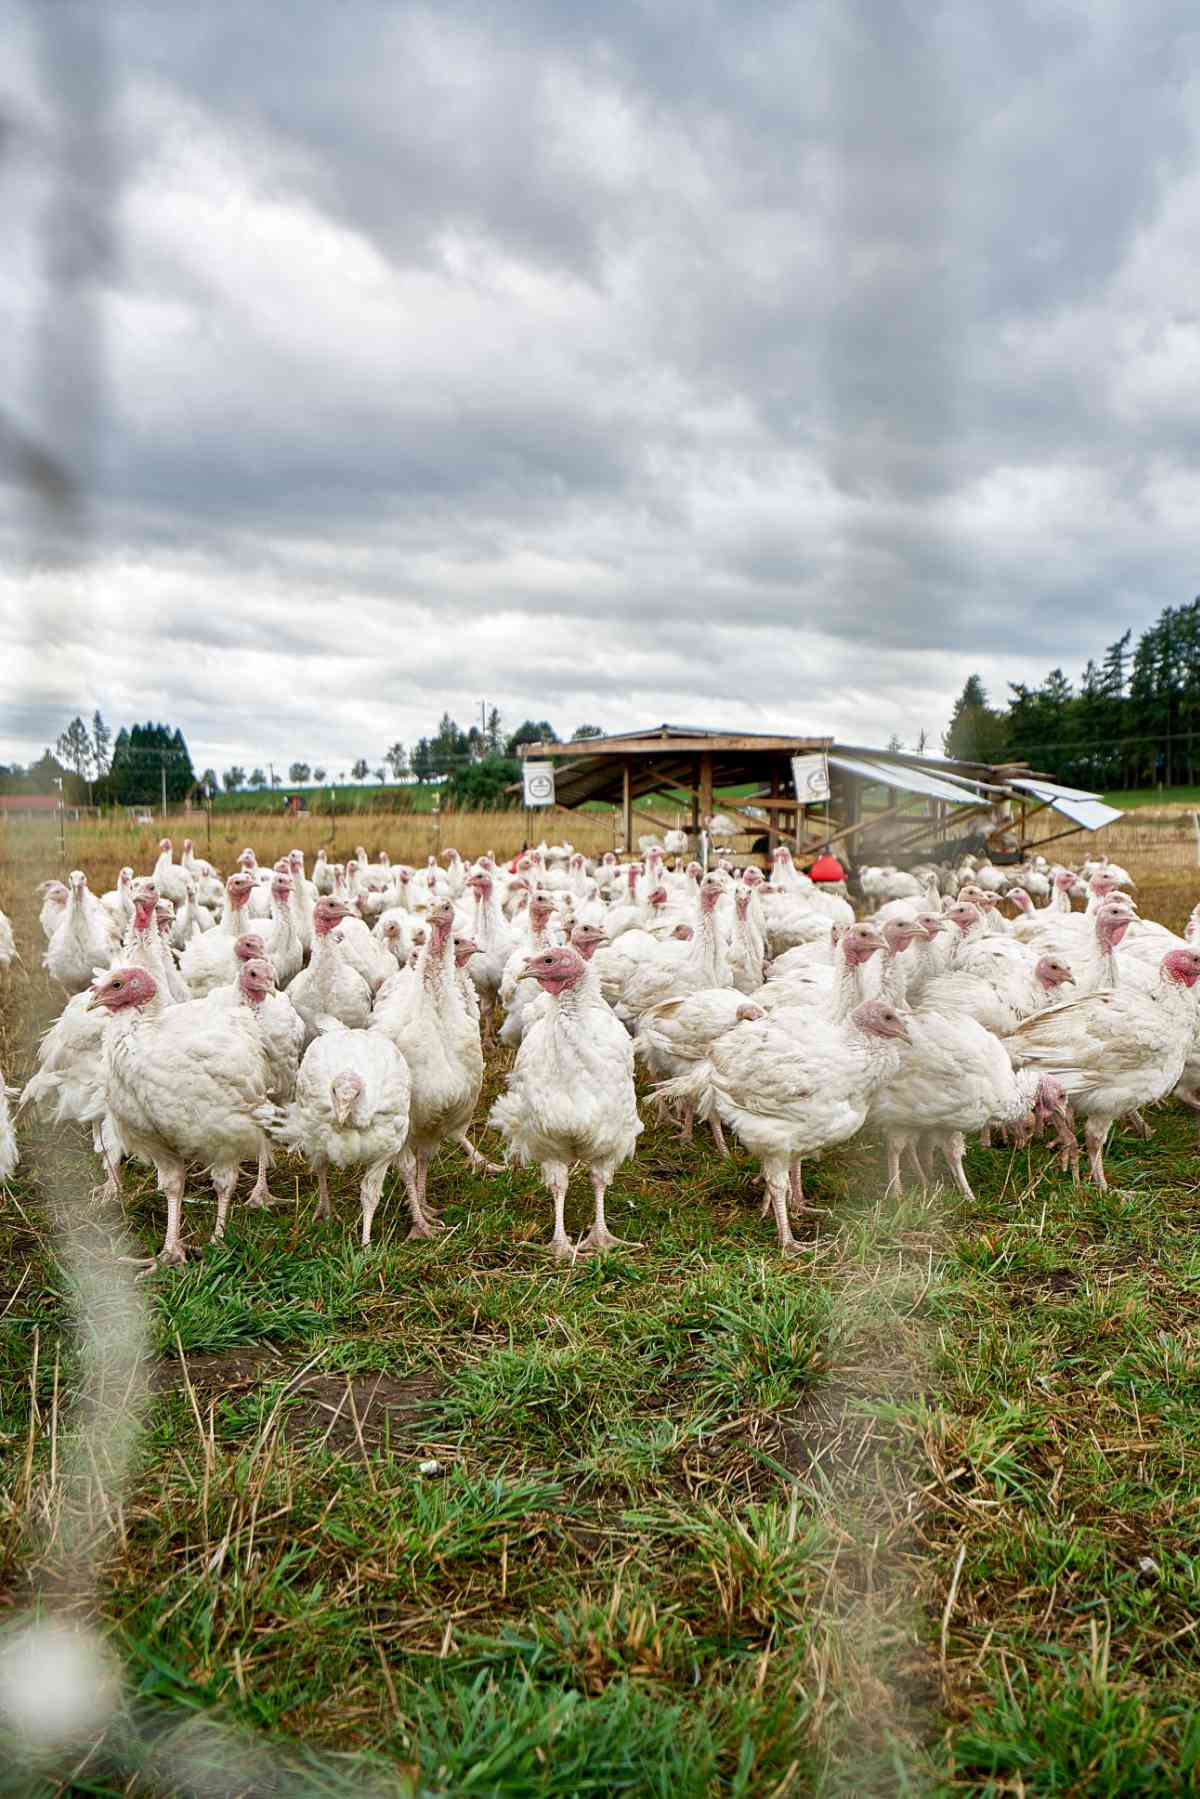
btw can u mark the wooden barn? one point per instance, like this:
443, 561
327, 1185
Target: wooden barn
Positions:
763, 788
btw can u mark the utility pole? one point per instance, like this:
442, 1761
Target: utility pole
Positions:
162, 769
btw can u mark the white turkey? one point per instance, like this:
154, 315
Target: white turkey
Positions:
185, 1085
170, 879
8, 944
55, 895
207, 962
570, 1097
350, 1111
438, 1037
495, 939
789, 1097
84, 940
281, 1033
330, 987
9, 1154
1115, 1051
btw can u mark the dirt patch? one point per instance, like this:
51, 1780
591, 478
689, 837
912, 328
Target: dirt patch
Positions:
336, 1410
221, 1372
341, 1411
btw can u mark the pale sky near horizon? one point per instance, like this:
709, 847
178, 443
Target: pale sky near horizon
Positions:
771, 366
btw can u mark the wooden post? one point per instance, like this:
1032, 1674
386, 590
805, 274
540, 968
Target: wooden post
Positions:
695, 831
627, 804
706, 787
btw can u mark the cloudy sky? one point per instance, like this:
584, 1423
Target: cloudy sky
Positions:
771, 365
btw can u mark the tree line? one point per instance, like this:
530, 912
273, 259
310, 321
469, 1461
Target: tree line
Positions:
142, 762
1133, 719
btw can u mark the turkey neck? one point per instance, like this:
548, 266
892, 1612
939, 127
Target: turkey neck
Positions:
486, 919
893, 978
232, 915
286, 934
848, 991
707, 958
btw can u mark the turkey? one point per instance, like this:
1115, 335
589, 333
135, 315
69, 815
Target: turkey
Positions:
330, 986
703, 963
9, 1154
285, 944
351, 1110
570, 1096
788, 1097
281, 1033
518, 988
207, 962
954, 1079
495, 940
439, 1039
185, 1085
999, 1006
55, 895
191, 920
83, 941
1113, 1052
170, 879
8, 945
119, 902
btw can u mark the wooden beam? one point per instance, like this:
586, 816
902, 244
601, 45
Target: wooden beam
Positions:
665, 746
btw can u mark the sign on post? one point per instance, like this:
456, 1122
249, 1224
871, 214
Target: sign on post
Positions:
810, 777
539, 783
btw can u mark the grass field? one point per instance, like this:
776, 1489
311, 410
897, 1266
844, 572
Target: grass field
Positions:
919, 1513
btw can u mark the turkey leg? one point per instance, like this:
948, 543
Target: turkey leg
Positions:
324, 1208
556, 1176
224, 1181
600, 1237
261, 1198
369, 1196
778, 1189
413, 1170
475, 1158
1094, 1136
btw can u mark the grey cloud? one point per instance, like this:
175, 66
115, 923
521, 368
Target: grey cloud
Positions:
579, 357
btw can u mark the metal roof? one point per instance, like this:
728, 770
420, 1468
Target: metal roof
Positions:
955, 790
1083, 808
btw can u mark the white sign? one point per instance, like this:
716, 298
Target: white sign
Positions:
539, 783
810, 777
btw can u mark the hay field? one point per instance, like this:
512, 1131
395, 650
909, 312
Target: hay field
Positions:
919, 1513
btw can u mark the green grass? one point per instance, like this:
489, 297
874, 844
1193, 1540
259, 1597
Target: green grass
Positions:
1154, 796
697, 1513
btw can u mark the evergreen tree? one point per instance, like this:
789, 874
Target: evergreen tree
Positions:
101, 743
529, 732
975, 732
234, 778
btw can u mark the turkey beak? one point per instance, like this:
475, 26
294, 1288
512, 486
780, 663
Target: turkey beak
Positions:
93, 1003
902, 1035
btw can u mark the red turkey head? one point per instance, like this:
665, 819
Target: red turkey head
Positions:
122, 988
1182, 966
464, 949
249, 947
859, 944
1052, 972
256, 979
587, 938
344, 1090
878, 1019
328, 913
556, 969
964, 915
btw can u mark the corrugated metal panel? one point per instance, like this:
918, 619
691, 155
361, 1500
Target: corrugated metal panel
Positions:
909, 780
1086, 809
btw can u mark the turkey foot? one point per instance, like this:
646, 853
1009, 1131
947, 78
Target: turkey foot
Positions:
175, 1255
426, 1226
475, 1158
600, 1238
1133, 1121
260, 1198
718, 1135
